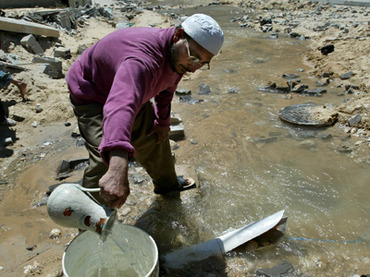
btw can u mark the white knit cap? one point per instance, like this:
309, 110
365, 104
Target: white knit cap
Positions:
205, 31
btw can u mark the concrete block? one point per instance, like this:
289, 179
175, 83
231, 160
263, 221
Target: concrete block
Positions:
22, 26
62, 52
177, 132
30, 43
64, 20
54, 69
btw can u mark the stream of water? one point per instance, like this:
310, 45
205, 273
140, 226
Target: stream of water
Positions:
251, 164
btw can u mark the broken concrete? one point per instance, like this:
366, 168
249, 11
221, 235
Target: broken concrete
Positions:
22, 26
30, 43
51, 66
62, 52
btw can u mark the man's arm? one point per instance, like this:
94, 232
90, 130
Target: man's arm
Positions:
114, 184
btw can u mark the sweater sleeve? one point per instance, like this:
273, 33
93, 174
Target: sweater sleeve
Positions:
162, 108
130, 84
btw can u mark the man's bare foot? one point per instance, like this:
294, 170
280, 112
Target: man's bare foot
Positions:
21, 86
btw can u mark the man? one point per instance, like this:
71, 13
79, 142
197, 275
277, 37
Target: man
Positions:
5, 80
111, 86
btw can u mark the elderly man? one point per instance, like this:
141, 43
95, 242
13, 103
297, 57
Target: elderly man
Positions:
111, 85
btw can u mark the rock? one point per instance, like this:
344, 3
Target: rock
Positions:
265, 21
30, 248
183, 92
38, 109
32, 269
55, 233
67, 166
346, 75
8, 141
30, 43
283, 268
327, 49
353, 121
189, 99
314, 92
81, 49
62, 52
326, 136
175, 119
54, 68
299, 88
177, 132
290, 76
276, 88
232, 91
204, 89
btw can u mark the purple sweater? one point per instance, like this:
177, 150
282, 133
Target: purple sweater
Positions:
123, 71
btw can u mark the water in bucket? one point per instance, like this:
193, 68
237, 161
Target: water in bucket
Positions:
126, 251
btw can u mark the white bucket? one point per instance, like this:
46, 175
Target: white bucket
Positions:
131, 252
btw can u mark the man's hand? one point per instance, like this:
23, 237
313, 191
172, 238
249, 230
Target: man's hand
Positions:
114, 185
161, 132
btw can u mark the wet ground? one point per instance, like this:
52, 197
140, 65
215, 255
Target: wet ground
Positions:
249, 164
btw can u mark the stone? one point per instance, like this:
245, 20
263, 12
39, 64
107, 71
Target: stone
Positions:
81, 49
8, 141
30, 43
204, 89
177, 132
290, 76
283, 268
175, 119
327, 49
54, 68
354, 120
62, 52
183, 92
346, 75
55, 233
67, 166
64, 20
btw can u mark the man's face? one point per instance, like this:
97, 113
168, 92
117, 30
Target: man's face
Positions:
188, 56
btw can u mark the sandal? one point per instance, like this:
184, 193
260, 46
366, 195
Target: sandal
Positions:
183, 184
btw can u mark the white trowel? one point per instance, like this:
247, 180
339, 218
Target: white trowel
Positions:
225, 243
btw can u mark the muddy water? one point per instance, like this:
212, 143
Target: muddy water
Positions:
251, 164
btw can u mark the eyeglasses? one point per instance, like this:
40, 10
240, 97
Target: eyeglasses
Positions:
194, 61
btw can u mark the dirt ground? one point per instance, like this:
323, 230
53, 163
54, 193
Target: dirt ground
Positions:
51, 95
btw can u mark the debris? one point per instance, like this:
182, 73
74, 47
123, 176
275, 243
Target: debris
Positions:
283, 268
55, 233
30, 43
8, 141
327, 49
353, 121
177, 132
62, 52
22, 26
204, 89
51, 66
346, 75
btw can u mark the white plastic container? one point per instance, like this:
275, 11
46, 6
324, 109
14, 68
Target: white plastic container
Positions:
128, 251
